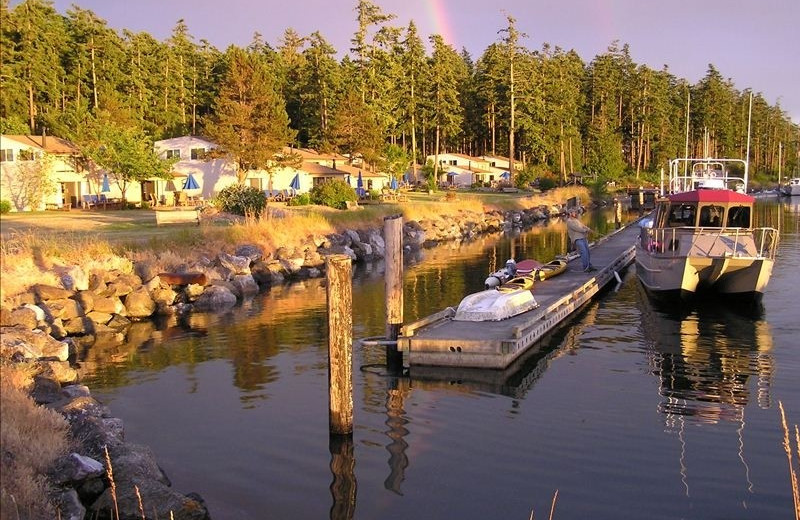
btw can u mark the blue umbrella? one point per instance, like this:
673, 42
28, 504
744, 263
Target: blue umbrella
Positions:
394, 184
360, 184
295, 182
190, 183
505, 175
106, 187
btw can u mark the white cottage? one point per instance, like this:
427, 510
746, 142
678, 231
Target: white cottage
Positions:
192, 154
41, 171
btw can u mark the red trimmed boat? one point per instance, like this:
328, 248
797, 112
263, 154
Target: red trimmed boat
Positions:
702, 238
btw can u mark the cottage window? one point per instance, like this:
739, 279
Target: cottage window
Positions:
173, 154
7, 155
198, 154
27, 155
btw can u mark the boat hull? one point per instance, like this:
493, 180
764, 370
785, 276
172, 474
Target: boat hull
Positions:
685, 277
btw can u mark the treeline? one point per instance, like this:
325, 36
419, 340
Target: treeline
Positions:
547, 107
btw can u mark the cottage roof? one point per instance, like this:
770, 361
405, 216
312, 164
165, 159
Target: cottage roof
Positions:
48, 143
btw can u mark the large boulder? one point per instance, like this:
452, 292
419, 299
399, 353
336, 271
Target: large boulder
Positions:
64, 308
139, 304
31, 344
49, 292
110, 305
252, 252
235, 264
215, 297
134, 468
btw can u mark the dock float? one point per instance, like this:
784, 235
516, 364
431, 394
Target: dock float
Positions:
438, 340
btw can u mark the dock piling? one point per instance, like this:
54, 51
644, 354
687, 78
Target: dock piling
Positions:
393, 238
340, 343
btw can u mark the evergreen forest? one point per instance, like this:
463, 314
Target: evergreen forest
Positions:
73, 76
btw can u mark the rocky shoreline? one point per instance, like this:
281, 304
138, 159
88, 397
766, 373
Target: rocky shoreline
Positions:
48, 325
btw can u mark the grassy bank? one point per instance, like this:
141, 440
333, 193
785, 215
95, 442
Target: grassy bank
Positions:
36, 247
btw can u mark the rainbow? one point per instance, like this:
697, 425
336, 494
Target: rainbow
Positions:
437, 12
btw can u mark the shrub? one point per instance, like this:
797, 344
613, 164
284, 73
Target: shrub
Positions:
241, 200
304, 199
546, 183
334, 194
5, 206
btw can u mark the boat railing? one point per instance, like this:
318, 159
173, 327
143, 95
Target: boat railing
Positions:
688, 174
667, 241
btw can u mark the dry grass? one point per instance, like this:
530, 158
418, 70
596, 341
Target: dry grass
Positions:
787, 446
36, 256
30, 258
31, 439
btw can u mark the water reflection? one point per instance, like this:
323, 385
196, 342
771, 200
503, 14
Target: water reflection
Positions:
517, 379
705, 356
343, 486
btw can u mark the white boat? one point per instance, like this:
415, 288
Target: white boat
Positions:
702, 238
792, 187
512, 298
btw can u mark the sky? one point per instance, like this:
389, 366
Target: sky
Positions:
755, 43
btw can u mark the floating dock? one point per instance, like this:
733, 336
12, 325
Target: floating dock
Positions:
440, 341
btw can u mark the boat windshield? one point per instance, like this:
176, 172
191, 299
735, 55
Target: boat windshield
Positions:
711, 216
681, 215
739, 216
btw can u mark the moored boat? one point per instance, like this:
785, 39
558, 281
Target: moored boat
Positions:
702, 238
792, 187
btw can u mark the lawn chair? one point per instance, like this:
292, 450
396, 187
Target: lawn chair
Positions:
180, 198
90, 201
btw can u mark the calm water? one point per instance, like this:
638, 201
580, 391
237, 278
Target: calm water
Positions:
631, 411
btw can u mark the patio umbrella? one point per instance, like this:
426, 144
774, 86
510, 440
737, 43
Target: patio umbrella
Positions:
394, 184
106, 187
170, 186
190, 183
505, 175
347, 179
360, 184
295, 184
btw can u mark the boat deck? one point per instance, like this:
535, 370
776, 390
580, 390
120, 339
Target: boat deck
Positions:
438, 340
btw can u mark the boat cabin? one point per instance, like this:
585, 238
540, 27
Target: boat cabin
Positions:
704, 208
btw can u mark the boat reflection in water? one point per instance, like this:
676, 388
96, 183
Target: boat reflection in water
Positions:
705, 357
711, 362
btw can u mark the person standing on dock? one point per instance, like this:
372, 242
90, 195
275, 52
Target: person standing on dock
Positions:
578, 233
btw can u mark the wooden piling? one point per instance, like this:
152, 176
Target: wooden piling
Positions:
340, 343
393, 238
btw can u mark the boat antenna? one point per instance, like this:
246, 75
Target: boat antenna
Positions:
747, 156
686, 142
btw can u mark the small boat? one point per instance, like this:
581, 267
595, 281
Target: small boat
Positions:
510, 270
550, 269
538, 270
507, 300
702, 238
506, 294
792, 187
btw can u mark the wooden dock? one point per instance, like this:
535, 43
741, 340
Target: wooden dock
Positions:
438, 340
